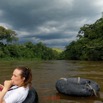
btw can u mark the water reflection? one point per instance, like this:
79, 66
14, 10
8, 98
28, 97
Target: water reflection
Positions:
46, 73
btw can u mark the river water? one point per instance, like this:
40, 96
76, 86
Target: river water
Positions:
46, 73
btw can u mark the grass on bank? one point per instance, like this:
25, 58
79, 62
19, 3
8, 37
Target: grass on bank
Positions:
58, 50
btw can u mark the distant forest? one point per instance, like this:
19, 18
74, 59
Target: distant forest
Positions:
88, 46
10, 49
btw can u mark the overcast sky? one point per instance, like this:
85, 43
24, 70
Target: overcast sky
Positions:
54, 22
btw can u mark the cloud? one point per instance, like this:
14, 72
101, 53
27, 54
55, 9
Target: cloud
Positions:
53, 22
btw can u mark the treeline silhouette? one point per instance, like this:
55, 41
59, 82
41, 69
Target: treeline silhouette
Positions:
89, 43
87, 46
10, 49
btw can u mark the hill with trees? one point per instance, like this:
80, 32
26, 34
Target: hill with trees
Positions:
89, 43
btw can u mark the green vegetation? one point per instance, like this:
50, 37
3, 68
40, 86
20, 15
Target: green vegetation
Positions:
7, 35
89, 45
28, 50
58, 50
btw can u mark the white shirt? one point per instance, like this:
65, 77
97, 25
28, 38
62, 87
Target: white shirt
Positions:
17, 95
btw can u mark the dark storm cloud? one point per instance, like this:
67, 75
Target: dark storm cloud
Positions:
54, 22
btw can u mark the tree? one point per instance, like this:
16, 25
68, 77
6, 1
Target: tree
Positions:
7, 35
89, 45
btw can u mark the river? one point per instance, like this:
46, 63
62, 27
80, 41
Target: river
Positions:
46, 73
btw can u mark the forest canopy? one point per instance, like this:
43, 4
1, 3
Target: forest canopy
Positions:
10, 49
89, 45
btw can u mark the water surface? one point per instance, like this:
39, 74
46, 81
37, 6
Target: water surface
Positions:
46, 73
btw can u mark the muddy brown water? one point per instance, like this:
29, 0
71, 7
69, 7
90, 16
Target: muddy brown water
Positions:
46, 73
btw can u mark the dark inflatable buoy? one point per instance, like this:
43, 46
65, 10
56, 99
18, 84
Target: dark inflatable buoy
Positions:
77, 87
32, 96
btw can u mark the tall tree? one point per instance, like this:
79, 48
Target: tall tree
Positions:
7, 35
89, 45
